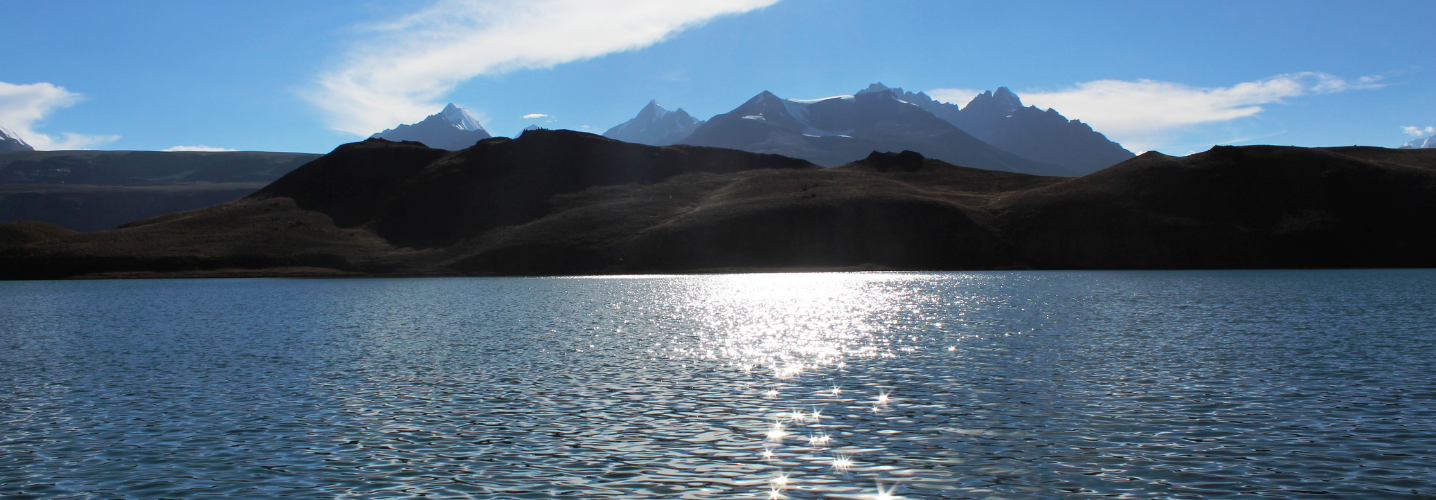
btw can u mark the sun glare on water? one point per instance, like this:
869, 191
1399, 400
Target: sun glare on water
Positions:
799, 337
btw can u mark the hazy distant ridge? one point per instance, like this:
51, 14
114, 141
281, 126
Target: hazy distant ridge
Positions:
999, 118
655, 126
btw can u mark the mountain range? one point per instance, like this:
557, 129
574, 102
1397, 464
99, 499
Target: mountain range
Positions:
11, 142
452, 129
655, 126
1050, 143
999, 118
844, 129
565, 202
994, 131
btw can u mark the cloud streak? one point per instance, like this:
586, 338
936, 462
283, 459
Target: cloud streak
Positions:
401, 70
1142, 114
23, 106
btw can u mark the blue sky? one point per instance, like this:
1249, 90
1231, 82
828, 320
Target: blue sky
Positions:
307, 76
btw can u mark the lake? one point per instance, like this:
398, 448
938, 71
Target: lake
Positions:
1183, 384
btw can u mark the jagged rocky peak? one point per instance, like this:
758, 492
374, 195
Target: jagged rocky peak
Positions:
999, 103
655, 125
10, 141
653, 111
453, 128
1005, 96
1000, 119
460, 118
875, 87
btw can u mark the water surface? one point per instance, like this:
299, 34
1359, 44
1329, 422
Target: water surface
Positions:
1284, 384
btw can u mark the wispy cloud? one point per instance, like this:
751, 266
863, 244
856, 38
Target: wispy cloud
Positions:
1414, 131
959, 97
195, 148
1143, 114
401, 70
24, 106
535, 116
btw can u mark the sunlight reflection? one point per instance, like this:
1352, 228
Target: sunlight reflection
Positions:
776, 433
886, 493
794, 324
795, 333
820, 439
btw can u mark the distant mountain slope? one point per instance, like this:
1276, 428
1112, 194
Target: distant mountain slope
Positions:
11, 142
998, 118
95, 190
452, 129
141, 168
1420, 143
843, 129
655, 126
563, 202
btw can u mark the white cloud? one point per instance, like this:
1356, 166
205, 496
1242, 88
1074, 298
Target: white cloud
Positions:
24, 106
1145, 113
535, 116
401, 70
1418, 131
959, 97
194, 148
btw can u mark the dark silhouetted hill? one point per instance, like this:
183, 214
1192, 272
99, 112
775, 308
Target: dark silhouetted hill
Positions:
562, 202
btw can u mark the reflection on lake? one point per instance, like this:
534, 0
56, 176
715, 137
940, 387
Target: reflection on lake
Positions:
847, 385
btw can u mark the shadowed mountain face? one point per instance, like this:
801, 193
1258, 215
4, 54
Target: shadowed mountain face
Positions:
844, 129
998, 118
655, 126
95, 190
561, 202
451, 129
11, 142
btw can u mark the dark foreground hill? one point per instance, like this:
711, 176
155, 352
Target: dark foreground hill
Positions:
96, 190
560, 202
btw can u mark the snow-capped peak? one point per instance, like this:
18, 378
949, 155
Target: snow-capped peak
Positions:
653, 111
460, 118
1421, 143
10, 141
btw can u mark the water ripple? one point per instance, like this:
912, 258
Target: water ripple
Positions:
867, 385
